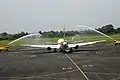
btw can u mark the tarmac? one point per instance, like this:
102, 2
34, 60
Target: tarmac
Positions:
92, 62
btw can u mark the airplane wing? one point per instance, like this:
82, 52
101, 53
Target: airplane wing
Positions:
86, 43
58, 45
73, 42
43, 46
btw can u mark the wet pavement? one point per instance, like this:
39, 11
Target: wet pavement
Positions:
98, 62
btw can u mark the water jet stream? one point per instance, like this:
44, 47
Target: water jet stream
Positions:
81, 26
32, 34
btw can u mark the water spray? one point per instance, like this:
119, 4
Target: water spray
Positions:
32, 34
79, 26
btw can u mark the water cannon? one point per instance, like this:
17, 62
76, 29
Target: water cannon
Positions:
115, 42
5, 48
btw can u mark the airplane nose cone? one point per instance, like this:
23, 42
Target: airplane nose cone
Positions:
64, 43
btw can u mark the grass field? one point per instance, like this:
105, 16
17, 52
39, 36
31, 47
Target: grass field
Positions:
85, 38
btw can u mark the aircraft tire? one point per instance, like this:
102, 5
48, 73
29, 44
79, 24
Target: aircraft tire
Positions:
71, 50
116, 43
54, 50
60, 50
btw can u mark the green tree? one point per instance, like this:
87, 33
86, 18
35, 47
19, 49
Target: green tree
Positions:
4, 34
107, 29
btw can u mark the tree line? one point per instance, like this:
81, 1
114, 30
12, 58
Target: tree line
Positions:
6, 36
107, 29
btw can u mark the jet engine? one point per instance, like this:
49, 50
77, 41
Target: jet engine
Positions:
49, 48
76, 47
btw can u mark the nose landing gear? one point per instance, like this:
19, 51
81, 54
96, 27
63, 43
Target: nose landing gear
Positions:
68, 50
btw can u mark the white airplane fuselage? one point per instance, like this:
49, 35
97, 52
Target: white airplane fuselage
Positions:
64, 46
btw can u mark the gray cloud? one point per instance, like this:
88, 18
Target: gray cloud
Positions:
34, 15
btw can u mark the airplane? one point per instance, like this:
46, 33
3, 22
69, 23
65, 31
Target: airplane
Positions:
63, 45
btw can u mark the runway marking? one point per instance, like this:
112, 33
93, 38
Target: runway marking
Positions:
51, 78
102, 73
61, 73
77, 67
99, 57
99, 77
41, 76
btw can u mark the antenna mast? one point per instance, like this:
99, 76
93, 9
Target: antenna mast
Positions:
64, 31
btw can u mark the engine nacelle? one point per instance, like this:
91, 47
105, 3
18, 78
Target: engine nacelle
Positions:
49, 48
76, 47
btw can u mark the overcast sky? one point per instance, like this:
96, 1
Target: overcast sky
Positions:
35, 15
